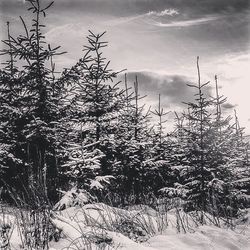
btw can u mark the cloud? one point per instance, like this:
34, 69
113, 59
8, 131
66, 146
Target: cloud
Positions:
166, 12
124, 20
186, 23
173, 88
150, 14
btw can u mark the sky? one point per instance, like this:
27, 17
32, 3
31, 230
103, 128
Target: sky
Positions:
157, 40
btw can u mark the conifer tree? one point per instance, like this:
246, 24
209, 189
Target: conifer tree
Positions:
95, 101
10, 110
198, 173
37, 124
162, 148
238, 164
133, 146
160, 137
206, 151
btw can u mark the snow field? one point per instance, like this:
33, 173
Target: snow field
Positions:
99, 226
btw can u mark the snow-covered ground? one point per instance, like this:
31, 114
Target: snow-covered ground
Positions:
98, 226
204, 237
73, 221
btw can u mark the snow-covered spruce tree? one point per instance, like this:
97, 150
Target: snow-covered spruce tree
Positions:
162, 151
159, 134
207, 146
179, 157
133, 148
193, 168
37, 124
228, 156
238, 163
10, 110
95, 101
176, 160
207, 149
198, 174
220, 141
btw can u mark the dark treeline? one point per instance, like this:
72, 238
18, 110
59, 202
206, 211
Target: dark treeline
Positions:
83, 128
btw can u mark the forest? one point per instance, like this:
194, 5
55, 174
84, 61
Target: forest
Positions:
83, 136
